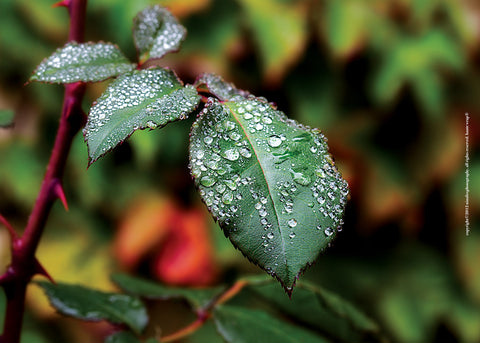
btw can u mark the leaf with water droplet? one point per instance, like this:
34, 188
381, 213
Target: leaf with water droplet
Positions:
137, 100
218, 87
157, 32
275, 185
87, 62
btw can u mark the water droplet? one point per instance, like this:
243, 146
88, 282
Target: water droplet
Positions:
263, 200
231, 154
151, 125
301, 178
231, 184
208, 140
258, 206
274, 141
262, 212
245, 152
321, 200
227, 198
208, 181
328, 231
220, 188
292, 235
292, 222
270, 235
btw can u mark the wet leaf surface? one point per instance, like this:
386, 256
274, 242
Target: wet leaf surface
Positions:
157, 32
269, 182
149, 98
86, 62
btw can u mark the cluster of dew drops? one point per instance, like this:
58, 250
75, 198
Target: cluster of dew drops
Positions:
147, 37
73, 58
154, 91
210, 166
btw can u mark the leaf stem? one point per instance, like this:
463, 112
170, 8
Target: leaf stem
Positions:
23, 264
204, 314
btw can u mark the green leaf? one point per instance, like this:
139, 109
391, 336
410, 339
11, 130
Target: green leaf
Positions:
88, 62
88, 304
323, 310
6, 118
238, 324
141, 99
197, 298
217, 86
122, 337
157, 32
269, 182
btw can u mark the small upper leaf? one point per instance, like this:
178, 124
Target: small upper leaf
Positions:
86, 62
157, 32
88, 304
143, 98
240, 324
6, 118
269, 181
197, 298
218, 87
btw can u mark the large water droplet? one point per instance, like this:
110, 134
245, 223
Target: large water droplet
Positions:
208, 181
231, 154
245, 152
328, 231
274, 141
292, 222
227, 198
301, 178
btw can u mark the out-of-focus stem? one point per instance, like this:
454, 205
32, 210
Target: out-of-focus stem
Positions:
23, 264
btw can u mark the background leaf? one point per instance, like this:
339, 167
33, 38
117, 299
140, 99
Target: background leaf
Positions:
238, 324
122, 337
82, 62
143, 98
6, 118
269, 182
197, 298
156, 32
280, 32
87, 304
323, 310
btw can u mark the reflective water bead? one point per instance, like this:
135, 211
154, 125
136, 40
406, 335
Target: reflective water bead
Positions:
274, 141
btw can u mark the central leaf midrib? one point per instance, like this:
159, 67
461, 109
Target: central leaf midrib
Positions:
267, 183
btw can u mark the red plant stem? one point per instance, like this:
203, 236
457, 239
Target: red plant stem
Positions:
205, 314
23, 264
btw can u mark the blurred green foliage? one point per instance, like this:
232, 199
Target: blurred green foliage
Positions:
389, 83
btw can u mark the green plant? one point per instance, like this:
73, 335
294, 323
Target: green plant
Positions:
269, 181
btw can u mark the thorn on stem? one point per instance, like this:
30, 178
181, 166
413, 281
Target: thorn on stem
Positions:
11, 231
39, 269
60, 194
63, 3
